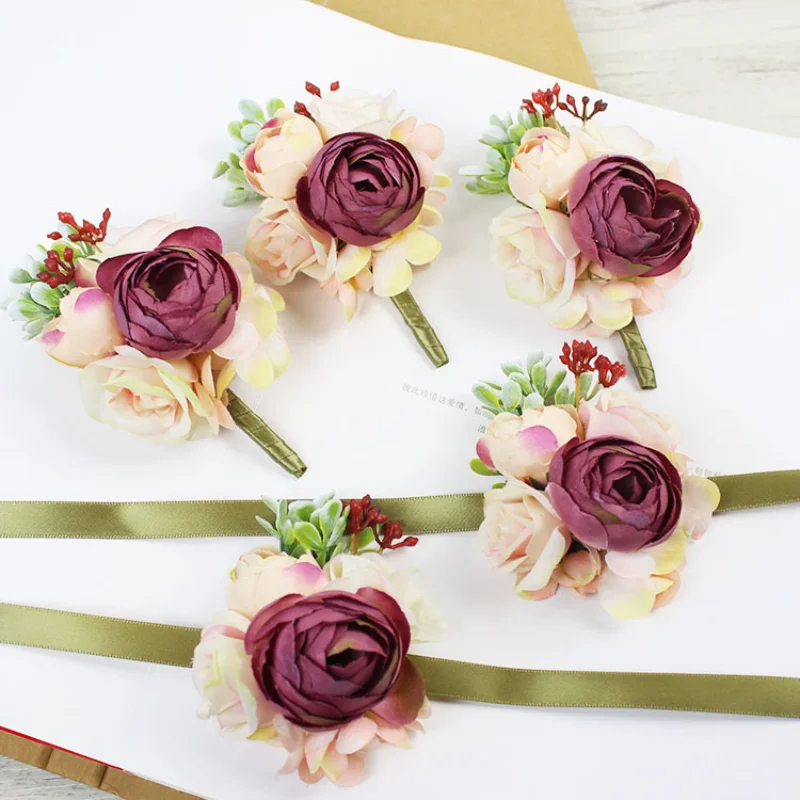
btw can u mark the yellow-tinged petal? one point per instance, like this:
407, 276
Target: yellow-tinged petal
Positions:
430, 216
669, 555
226, 375
256, 370
420, 247
266, 733
700, 499
391, 272
627, 598
277, 299
569, 314
351, 260
262, 313
621, 290
440, 180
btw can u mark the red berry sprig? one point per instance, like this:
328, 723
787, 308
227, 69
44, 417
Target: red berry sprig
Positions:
363, 515
549, 100
87, 232
578, 360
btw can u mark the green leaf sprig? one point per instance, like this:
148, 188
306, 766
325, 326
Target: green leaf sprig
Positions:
36, 303
503, 138
244, 132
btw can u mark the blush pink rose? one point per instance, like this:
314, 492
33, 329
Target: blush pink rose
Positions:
537, 254
521, 533
615, 413
545, 164
281, 153
523, 446
280, 243
85, 331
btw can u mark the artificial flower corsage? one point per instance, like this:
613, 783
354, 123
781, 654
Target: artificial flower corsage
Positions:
595, 496
311, 653
348, 188
160, 322
602, 226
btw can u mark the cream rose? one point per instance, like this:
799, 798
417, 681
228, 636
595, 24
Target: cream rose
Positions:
545, 164
537, 254
281, 244
281, 153
341, 110
161, 400
521, 533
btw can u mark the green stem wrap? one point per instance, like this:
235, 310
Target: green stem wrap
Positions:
421, 328
266, 438
638, 356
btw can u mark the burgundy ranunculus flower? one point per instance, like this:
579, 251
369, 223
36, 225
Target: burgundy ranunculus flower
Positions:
629, 222
326, 659
361, 188
178, 299
614, 494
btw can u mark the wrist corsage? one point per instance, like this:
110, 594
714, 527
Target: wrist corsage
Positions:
160, 322
595, 496
348, 188
602, 226
311, 652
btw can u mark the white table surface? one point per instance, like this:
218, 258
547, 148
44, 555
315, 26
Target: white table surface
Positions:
735, 61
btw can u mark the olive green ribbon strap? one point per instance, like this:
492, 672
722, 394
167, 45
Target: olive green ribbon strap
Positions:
421, 328
198, 519
276, 448
444, 679
638, 356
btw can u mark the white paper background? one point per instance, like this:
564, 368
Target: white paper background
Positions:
113, 104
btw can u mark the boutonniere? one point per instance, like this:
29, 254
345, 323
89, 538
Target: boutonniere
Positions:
160, 322
311, 652
594, 494
348, 188
602, 227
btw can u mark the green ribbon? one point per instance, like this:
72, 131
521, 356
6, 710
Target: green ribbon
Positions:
444, 678
421, 328
638, 356
276, 448
198, 519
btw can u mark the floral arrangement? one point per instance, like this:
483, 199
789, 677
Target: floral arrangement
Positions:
348, 188
159, 322
311, 652
595, 495
602, 226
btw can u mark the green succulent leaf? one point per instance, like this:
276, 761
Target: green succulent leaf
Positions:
533, 401
252, 111
366, 538
564, 396
274, 105
330, 513
556, 382
307, 535
512, 396
221, 168
487, 396
522, 379
301, 510
539, 378
21, 276
586, 383
267, 526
